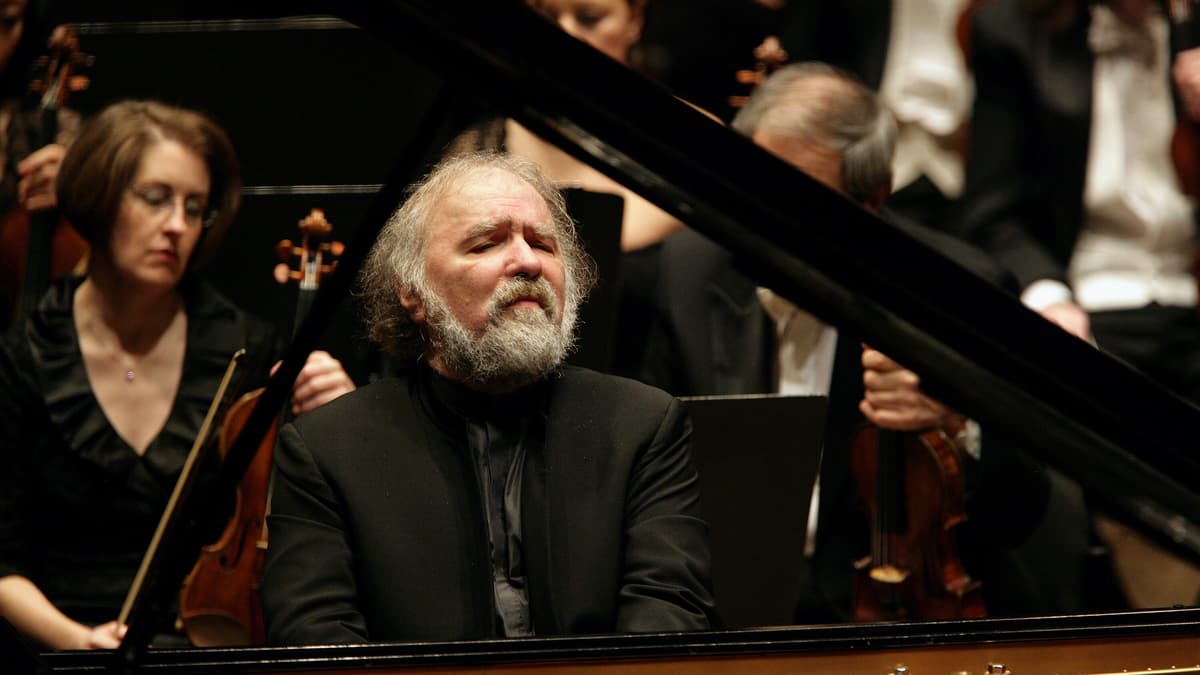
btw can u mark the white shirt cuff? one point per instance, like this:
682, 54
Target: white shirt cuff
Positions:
1045, 292
970, 439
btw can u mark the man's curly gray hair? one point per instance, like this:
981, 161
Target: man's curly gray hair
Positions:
397, 261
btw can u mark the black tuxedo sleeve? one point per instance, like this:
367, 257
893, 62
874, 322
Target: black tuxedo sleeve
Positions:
666, 578
308, 592
1004, 170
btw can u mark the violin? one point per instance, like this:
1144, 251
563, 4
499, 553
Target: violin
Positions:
912, 485
1185, 143
316, 258
769, 56
219, 604
39, 247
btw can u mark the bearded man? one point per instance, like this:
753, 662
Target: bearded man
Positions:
489, 490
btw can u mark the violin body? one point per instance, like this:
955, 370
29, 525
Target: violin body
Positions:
912, 485
219, 604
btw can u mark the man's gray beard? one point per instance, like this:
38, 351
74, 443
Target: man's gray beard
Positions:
517, 348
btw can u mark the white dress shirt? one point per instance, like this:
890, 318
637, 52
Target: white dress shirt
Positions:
927, 87
1137, 239
804, 361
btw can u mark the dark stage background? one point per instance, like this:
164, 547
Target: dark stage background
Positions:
318, 110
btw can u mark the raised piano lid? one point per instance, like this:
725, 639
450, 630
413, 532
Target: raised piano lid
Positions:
1120, 434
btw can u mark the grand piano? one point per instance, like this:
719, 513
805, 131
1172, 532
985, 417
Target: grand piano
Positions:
1124, 438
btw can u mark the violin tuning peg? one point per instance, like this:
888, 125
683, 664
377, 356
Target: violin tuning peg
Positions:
315, 224
78, 82
771, 51
281, 273
284, 249
337, 248
747, 77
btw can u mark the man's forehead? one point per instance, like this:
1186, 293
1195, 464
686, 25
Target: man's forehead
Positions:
817, 160
490, 195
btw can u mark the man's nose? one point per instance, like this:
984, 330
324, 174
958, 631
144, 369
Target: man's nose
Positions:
523, 260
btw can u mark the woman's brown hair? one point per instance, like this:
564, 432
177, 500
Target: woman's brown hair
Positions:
102, 162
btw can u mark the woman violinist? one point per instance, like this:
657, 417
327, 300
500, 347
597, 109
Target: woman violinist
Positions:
106, 385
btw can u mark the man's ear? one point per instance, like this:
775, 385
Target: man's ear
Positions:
412, 304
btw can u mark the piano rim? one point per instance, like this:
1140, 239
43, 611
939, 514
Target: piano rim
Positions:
1145, 624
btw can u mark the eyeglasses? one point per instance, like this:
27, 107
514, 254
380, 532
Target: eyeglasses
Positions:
161, 198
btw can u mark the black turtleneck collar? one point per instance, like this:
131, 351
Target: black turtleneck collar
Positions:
464, 403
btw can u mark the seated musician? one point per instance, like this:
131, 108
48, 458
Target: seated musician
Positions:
105, 387
719, 334
489, 490
31, 148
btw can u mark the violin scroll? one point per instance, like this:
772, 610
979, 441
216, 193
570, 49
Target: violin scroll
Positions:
769, 56
317, 257
56, 72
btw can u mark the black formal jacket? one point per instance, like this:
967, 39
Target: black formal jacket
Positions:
712, 337
378, 531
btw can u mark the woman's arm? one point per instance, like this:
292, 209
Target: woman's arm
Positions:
28, 610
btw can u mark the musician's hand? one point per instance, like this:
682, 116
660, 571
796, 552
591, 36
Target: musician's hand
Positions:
1071, 318
320, 381
894, 400
39, 173
1186, 73
105, 636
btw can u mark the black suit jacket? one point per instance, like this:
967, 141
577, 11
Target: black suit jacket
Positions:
378, 532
